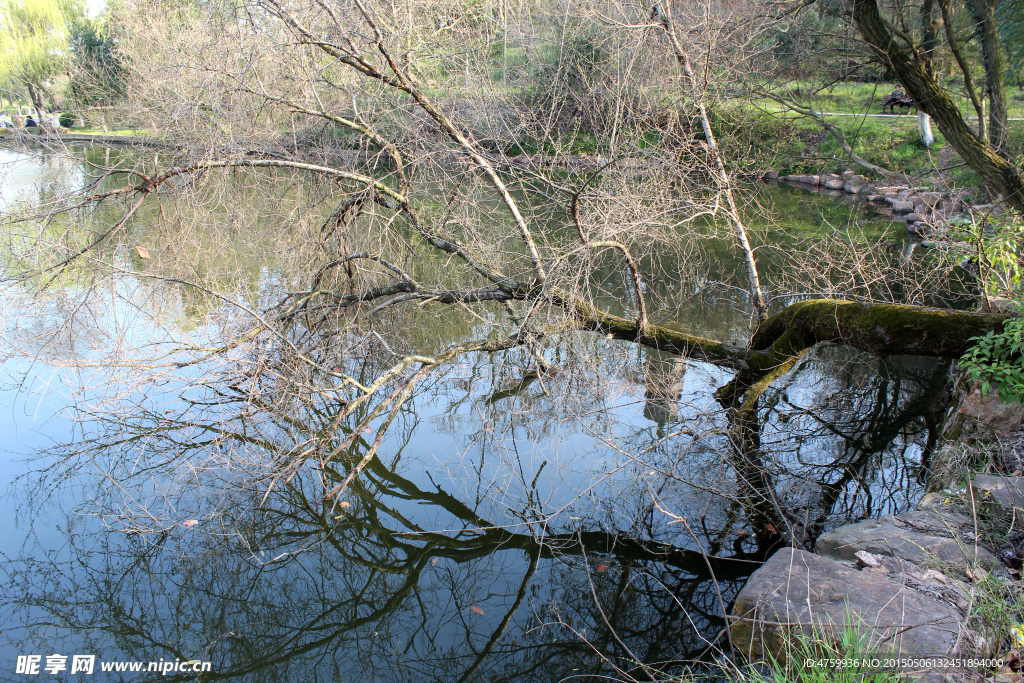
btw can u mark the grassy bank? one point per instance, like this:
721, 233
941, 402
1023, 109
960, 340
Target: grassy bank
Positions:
791, 143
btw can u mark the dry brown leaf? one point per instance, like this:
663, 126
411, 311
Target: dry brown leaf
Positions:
142, 252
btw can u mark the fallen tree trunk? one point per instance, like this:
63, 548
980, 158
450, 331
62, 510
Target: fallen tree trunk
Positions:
881, 329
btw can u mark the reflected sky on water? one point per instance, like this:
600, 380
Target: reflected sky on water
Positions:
511, 529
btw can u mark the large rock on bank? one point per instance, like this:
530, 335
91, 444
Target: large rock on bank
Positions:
797, 591
999, 498
916, 536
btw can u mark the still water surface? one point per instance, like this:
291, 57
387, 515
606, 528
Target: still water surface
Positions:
507, 532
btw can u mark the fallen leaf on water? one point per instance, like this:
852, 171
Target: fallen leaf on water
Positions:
476, 610
142, 252
344, 504
771, 528
602, 568
741, 533
367, 431
433, 562
190, 522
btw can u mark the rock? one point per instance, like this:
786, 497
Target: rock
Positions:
847, 175
866, 559
902, 195
931, 199
771, 175
901, 207
936, 517
991, 413
834, 184
914, 217
798, 591
927, 581
1002, 305
998, 497
853, 188
885, 536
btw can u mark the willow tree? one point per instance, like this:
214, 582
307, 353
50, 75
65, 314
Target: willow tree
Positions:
34, 44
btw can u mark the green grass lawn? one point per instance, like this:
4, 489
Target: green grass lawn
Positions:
131, 132
866, 98
791, 143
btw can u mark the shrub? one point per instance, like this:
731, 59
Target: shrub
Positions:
998, 360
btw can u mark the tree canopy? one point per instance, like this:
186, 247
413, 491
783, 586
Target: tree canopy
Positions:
35, 43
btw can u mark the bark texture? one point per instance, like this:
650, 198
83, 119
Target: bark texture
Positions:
881, 329
984, 12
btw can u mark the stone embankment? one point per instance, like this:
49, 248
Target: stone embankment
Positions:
925, 210
907, 582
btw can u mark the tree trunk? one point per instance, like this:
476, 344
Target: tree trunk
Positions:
881, 329
998, 171
929, 41
995, 80
35, 94
924, 125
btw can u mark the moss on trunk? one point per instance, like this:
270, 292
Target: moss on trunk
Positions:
882, 329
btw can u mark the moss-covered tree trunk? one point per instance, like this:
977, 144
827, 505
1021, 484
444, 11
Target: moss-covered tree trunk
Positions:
881, 329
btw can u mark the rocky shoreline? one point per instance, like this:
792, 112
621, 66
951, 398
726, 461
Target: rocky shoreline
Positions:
926, 211
911, 583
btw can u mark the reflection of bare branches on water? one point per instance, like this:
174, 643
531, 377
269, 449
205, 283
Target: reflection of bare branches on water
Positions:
298, 578
847, 436
371, 354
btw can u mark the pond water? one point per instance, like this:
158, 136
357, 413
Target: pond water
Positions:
510, 529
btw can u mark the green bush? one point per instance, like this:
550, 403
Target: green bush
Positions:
998, 360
